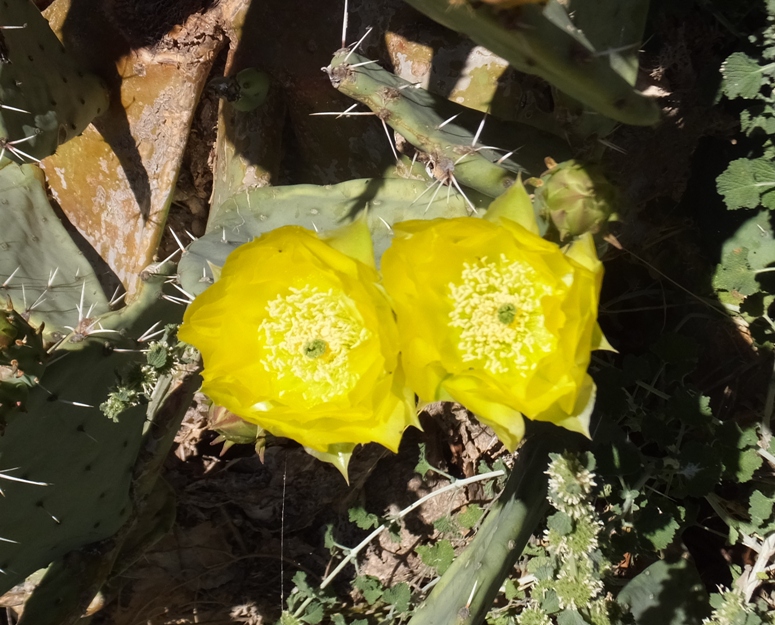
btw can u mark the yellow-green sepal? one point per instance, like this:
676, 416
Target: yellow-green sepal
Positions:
514, 204
354, 240
337, 455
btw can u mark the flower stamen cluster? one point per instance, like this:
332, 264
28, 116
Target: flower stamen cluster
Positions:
309, 334
496, 305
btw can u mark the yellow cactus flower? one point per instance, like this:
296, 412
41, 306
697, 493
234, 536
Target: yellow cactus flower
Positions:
495, 317
298, 336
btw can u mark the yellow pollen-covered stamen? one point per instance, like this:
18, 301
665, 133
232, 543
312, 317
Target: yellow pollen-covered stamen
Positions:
497, 308
309, 334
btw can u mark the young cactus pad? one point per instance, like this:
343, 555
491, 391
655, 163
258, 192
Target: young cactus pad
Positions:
45, 99
445, 131
542, 40
248, 215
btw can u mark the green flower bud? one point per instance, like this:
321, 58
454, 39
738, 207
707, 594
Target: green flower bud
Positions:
576, 198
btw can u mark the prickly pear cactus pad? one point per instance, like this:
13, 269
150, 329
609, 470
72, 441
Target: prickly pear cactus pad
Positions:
42, 272
84, 458
71, 487
447, 133
45, 98
247, 215
542, 40
120, 202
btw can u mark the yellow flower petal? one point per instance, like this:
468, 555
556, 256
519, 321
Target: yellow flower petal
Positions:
497, 318
299, 337
471, 392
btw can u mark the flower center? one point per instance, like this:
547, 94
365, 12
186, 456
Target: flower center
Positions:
315, 349
496, 305
507, 313
309, 334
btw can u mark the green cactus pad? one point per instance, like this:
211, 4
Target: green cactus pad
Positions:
420, 117
85, 458
45, 99
467, 589
86, 461
250, 214
543, 40
42, 272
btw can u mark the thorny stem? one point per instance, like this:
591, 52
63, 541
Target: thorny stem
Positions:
356, 550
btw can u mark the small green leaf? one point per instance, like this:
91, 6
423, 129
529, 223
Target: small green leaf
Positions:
760, 507
511, 591
328, 537
747, 183
470, 516
542, 567
370, 587
445, 525
364, 520
398, 596
734, 275
570, 617
758, 117
737, 449
669, 593
743, 76
314, 614
550, 603
749, 462
439, 556
561, 523
658, 524
748, 437
688, 406
300, 581
157, 355
422, 466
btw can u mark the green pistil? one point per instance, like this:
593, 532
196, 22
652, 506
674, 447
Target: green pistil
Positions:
507, 313
315, 349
